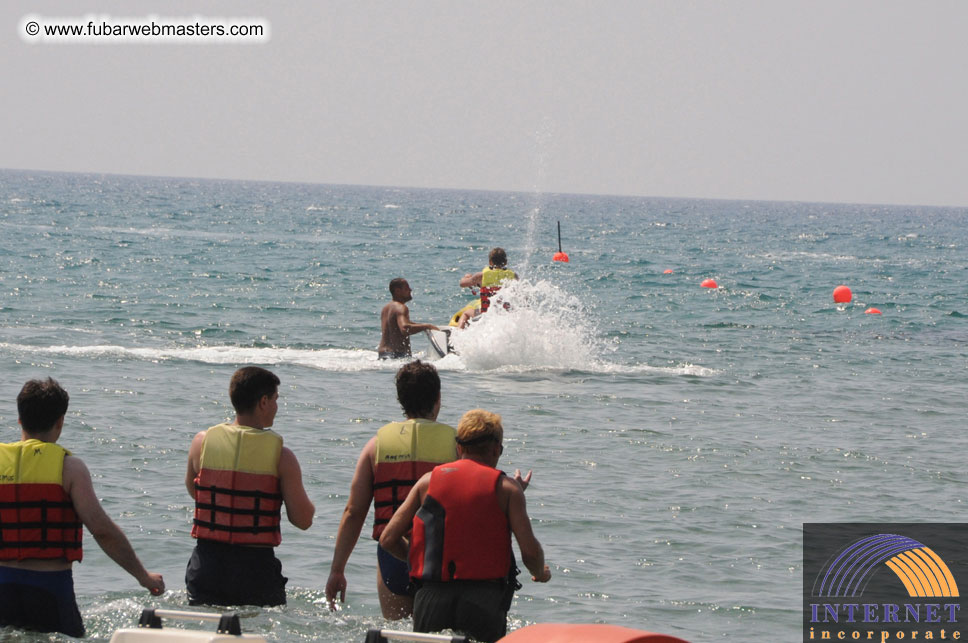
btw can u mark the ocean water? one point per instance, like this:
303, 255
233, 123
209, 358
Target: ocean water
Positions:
679, 436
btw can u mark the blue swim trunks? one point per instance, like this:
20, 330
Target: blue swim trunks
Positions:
395, 572
39, 601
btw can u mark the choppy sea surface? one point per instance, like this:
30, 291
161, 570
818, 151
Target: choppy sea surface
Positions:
680, 436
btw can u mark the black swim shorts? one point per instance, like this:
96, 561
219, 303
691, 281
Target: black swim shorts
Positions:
221, 574
475, 608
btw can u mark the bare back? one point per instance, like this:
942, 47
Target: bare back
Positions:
393, 339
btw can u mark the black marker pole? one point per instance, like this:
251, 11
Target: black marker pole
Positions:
560, 256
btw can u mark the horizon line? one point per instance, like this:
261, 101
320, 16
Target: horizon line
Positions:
470, 189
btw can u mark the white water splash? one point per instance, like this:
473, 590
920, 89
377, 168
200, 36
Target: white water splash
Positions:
543, 138
545, 328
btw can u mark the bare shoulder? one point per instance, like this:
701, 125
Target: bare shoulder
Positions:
288, 458
424, 483
75, 476
368, 454
195, 450
510, 485
74, 466
509, 492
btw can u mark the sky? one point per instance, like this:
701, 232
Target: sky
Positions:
855, 101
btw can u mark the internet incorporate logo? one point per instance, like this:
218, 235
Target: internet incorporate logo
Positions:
922, 571
882, 582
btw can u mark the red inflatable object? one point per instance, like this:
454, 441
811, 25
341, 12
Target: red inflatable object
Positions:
565, 633
842, 295
709, 283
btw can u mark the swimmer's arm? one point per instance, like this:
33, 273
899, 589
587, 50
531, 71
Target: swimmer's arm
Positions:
394, 538
78, 486
299, 508
471, 280
194, 462
532, 555
408, 327
351, 524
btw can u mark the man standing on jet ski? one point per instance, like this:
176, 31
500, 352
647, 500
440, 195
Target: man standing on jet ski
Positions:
489, 281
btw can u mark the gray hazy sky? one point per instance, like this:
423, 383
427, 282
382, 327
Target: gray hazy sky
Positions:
809, 100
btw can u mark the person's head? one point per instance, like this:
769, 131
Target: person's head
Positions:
479, 431
400, 290
249, 385
418, 389
40, 405
498, 258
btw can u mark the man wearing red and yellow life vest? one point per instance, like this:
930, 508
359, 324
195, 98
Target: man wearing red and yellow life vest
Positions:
462, 515
240, 475
389, 465
490, 280
45, 496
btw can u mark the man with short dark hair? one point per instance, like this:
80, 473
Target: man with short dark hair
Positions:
388, 466
46, 495
462, 515
240, 475
395, 325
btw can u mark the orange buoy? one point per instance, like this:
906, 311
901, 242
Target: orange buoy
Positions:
709, 283
667, 271
872, 311
842, 295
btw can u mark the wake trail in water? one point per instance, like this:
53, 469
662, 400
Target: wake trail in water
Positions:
543, 329
332, 359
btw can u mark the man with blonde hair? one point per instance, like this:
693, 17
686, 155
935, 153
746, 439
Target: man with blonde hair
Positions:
462, 514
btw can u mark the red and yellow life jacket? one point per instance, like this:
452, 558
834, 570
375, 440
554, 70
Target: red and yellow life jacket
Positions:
237, 497
491, 281
37, 519
460, 531
404, 452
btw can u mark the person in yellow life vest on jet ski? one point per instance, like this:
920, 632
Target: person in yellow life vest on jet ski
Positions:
489, 281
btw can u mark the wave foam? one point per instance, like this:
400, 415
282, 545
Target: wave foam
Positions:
332, 359
544, 329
